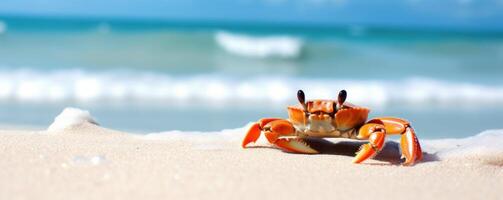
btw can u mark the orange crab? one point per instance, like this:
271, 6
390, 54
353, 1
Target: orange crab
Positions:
335, 118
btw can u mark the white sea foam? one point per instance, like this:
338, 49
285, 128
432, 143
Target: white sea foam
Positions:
223, 135
84, 87
70, 117
260, 47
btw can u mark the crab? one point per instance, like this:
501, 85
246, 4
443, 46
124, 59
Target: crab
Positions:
334, 119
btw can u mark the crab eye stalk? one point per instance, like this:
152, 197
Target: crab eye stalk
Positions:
302, 98
342, 97
334, 109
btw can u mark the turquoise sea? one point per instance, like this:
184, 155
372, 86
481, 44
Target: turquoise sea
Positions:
151, 75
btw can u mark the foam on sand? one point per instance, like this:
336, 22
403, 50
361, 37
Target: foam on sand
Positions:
259, 47
70, 117
485, 148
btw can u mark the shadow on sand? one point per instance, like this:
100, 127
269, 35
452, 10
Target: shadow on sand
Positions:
390, 153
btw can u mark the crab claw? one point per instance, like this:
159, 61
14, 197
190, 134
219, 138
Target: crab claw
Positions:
366, 151
252, 135
376, 142
409, 144
294, 145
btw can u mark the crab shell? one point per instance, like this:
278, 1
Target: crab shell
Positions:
319, 121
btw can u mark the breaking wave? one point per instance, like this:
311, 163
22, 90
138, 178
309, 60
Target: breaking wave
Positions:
82, 86
260, 47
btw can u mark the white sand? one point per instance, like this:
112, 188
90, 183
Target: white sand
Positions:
84, 161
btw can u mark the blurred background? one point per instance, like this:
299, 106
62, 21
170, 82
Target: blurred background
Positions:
196, 65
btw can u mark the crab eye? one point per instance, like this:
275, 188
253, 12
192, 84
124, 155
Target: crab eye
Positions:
301, 97
334, 109
342, 97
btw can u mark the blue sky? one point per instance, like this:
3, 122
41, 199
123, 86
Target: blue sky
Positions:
471, 14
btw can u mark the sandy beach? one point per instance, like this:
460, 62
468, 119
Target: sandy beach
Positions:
174, 86
85, 161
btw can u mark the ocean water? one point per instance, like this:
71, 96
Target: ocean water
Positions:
151, 76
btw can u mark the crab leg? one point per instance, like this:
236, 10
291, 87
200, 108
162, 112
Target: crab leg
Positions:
376, 135
411, 149
273, 130
294, 145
